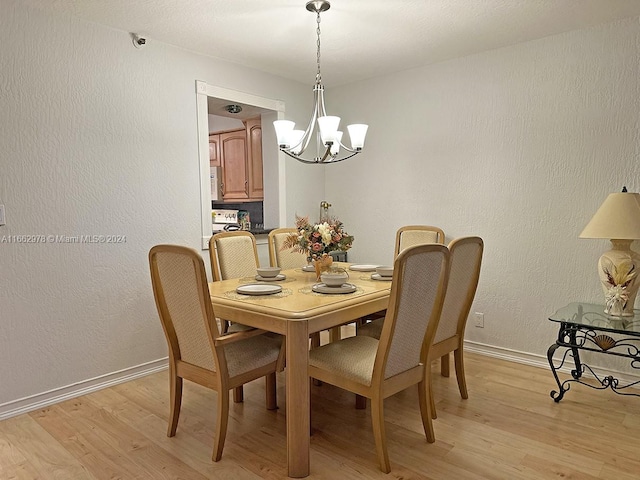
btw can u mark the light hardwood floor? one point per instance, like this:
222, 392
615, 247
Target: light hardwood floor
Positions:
509, 428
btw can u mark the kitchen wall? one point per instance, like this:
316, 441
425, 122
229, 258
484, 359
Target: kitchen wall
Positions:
99, 138
519, 145
218, 123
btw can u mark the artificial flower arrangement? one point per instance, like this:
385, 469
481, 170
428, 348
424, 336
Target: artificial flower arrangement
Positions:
317, 240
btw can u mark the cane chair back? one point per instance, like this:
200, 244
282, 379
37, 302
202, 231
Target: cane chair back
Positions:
285, 259
411, 235
233, 255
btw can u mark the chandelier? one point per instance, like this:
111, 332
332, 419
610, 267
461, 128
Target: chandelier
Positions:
328, 139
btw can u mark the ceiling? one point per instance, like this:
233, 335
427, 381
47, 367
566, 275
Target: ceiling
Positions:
218, 106
360, 38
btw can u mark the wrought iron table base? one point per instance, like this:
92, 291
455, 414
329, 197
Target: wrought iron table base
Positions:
573, 338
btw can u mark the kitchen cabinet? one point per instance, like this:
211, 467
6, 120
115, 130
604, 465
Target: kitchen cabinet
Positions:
233, 160
239, 154
254, 157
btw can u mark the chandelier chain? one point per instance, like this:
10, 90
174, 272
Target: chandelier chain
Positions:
318, 75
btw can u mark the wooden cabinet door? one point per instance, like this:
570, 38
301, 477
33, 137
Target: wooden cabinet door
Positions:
254, 160
214, 150
233, 159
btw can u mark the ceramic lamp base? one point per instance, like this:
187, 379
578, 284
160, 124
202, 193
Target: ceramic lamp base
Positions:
618, 270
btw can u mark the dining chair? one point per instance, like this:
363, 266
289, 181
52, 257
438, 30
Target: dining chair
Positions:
464, 274
378, 368
233, 255
465, 263
287, 259
197, 350
406, 236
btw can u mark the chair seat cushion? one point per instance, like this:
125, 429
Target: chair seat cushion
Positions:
352, 358
252, 353
372, 329
238, 327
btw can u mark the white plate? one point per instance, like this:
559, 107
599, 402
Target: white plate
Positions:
345, 288
309, 268
258, 289
280, 276
376, 276
363, 268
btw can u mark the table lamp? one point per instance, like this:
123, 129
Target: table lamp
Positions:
618, 219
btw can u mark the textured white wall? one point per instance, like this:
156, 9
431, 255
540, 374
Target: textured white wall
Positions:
518, 145
97, 137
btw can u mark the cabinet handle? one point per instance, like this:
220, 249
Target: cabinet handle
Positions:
222, 189
246, 187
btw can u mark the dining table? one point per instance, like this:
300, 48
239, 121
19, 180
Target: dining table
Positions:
296, 312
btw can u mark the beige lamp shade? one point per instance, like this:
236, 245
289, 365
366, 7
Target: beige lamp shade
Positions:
617, 218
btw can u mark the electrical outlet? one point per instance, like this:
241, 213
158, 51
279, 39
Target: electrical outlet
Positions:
479, 319
2, 222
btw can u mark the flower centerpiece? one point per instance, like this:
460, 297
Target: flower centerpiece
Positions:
318, 240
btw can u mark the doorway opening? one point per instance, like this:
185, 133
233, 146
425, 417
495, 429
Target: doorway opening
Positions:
213, 100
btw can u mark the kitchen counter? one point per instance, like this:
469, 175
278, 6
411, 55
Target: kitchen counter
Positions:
253, 231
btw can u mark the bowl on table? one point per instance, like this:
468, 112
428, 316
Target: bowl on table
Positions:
268, 272
384, 271
334, 279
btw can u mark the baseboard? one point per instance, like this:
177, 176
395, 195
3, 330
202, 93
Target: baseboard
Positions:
41, 400
44, 399
539, 361
506, 354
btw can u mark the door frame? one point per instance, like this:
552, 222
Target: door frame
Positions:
203, 91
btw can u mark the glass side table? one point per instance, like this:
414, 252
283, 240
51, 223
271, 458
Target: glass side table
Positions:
585, 326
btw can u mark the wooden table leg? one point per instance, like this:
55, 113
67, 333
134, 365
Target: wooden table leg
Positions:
334, 334
298, 398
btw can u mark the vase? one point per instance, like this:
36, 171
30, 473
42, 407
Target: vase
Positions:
322, 264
